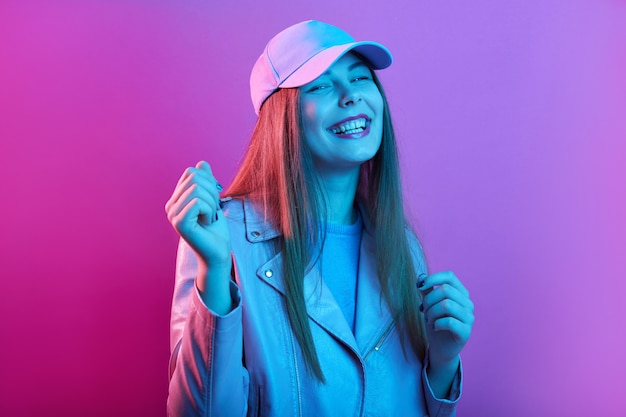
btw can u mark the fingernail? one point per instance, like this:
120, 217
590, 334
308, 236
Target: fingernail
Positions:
422, 307
219, 186
224, 200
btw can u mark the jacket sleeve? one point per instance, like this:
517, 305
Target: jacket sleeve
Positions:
442, 407
437, 407
207, 377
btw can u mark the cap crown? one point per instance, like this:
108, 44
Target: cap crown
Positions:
304, 51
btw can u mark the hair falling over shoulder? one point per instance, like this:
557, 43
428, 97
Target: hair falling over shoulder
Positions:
277, 174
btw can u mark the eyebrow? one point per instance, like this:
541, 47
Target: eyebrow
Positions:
357, 64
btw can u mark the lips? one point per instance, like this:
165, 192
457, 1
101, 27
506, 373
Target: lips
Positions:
351, 126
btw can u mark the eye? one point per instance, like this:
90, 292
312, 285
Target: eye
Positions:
363, 77
315, 88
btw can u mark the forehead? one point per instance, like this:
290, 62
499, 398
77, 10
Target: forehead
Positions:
348, 62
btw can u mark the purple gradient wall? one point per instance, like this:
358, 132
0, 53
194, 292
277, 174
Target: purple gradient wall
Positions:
512, 122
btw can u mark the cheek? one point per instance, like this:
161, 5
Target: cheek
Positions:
309, 112
375, 99
380, 110
379, 104
309, 116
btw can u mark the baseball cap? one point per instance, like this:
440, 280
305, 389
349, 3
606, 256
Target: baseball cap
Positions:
303, 52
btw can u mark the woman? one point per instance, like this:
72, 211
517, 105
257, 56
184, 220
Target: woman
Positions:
306, 293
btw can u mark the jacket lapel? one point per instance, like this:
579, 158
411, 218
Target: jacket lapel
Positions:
372, 316
320, 304
324, 310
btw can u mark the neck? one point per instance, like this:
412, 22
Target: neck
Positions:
340, 193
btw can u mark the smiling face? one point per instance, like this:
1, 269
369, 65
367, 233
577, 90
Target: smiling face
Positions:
342, 116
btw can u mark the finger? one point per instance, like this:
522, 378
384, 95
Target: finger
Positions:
183, 177
421, 284
208, 199
204, 165
189, 176
205, 185
204, 174
194, 175
201, 170
196, 191
183, 185
440, 278
192, 215
460, 331
205, 168
177, 190
447, 292
448, 308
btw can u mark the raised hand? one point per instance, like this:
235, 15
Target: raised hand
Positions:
194, 212
449, 316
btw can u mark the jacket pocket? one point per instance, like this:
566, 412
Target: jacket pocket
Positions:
380, 341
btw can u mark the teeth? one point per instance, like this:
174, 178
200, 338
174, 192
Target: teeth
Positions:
353, 126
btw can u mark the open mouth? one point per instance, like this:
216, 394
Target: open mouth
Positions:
350, 126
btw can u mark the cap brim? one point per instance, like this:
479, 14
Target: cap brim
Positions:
375, 55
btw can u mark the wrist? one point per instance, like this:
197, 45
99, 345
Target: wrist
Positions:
213, 284
214, 269
441, 374
443, 367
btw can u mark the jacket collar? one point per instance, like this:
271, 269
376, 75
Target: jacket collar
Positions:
258, 229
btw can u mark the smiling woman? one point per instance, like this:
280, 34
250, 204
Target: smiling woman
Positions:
306, 293
339, 107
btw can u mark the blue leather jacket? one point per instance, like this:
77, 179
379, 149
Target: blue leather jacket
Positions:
248, 362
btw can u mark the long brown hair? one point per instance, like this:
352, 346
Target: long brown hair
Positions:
277, 173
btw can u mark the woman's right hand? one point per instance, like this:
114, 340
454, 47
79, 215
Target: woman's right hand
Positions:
194, 212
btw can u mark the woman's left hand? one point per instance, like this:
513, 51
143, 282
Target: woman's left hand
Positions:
448, 313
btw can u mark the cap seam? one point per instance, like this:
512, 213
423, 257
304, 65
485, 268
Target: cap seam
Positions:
269, 59
310, 58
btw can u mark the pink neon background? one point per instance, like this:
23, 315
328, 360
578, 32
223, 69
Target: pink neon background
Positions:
512, 122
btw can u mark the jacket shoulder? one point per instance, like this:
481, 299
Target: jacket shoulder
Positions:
246, 220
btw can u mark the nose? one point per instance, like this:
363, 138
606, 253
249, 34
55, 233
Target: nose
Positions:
350, 96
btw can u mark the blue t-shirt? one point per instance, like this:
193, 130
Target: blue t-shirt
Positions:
339, 264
